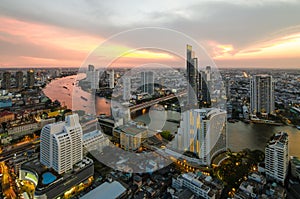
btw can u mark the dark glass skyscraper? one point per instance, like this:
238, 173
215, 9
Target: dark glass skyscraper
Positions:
192, 74
205, 86
6, 80
19, 79
30, 78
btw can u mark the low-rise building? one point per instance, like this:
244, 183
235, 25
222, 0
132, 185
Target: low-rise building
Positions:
94, 140
108, 190
25, 129
6, 116
201, 185
131, 135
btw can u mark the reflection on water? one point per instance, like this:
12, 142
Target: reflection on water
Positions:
67, 91
240, 135
256, 136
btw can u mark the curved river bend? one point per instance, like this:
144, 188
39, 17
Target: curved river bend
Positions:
240, 135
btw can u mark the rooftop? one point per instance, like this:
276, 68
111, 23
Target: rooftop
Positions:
106, 190
91, 134
131, 129
279, 139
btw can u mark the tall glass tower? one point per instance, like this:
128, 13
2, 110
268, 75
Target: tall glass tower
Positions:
192, 74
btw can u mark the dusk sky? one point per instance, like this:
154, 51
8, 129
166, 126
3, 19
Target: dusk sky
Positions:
236, 33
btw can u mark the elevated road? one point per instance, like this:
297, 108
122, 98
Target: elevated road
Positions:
141, 106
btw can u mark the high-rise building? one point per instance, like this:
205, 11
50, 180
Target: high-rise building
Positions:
92, 76
30, 78
126, 88
91, 67
262, 94
147, 82
208, 73
192, 74
112, 79
61, 144
6, 80
19, 79
95, 80
103, 79
277, 157
202, 131
205, 94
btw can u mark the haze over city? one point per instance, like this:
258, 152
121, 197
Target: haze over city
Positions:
250, 34
150, 99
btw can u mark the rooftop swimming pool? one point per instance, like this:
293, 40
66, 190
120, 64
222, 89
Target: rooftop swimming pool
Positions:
48, 178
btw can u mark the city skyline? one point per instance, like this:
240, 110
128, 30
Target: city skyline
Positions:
264, 35
150, 99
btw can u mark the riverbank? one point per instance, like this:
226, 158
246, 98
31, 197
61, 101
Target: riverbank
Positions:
239, 134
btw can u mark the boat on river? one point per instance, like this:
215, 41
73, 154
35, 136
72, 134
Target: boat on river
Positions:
85, 99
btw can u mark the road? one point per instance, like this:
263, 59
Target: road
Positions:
6, 182
6, 155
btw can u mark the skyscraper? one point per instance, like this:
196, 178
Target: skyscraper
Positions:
202, 131
205, 94
126, 88
277, 157
147, 82
19, 79
92, 76
91, 67
262, 94
103, 79
112, 79
192, 74
30, 78
6, 80
208, 73
61, 144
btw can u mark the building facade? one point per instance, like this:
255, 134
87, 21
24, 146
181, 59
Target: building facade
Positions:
112, 79
147, 82
126, 88
201, 185
61, 144
262, 94
19, 79
277, 157
6, 80
94, 141
192, 75
30, 78
202, 131
131, 135
205, 85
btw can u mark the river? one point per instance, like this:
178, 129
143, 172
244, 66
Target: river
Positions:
240, 135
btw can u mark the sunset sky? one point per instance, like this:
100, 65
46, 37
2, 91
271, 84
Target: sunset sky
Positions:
236, 33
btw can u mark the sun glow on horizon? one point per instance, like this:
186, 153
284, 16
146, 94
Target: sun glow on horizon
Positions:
282, 47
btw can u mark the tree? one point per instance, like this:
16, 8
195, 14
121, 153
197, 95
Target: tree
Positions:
166, 135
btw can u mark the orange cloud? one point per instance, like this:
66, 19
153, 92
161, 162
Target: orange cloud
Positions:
283, 47
64, 46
